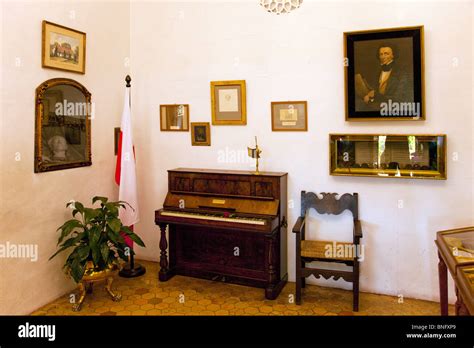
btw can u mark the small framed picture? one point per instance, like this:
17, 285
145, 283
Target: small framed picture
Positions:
63, 48
200, 134
384, 74
228, 102
290, 116
174, 117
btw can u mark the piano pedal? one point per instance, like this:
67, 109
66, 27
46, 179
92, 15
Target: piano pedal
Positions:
215, 278
223, 279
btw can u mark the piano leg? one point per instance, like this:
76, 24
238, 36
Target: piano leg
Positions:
273, 290
274, 286
164, 274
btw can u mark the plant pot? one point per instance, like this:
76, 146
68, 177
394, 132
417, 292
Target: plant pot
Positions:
93, 274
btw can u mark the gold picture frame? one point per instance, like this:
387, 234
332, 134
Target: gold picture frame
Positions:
174, 117
404, 156
289, 116
200, 134
383, 88
63, 139
228, 102
63, 48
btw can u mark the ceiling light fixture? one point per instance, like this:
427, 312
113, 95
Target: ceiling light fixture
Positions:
280, 6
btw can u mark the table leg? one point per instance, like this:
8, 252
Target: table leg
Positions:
443, 285
460, 306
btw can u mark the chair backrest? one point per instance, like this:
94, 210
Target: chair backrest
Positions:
329, 204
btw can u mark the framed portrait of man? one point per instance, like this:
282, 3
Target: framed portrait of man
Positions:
384, 74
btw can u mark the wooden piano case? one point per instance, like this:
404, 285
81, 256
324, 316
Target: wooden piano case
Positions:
236, 253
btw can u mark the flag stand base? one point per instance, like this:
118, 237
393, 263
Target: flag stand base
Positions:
132, 272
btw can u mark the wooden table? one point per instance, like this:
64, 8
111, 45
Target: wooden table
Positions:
465, 289
453, 256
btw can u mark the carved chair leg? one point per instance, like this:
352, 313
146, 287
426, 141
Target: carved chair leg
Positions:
298, 291
299, 282
355, 287
303, 279
76, 307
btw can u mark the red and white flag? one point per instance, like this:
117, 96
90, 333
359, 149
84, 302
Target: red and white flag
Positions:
125, 175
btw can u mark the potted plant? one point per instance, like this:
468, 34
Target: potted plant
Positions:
98, 245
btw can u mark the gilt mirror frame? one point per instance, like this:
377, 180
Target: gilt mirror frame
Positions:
83, 127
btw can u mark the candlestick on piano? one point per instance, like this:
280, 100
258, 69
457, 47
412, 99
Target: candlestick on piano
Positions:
255, 153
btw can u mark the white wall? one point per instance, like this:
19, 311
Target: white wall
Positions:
32, 206
177, 48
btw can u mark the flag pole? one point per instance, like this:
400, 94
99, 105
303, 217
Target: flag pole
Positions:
131, 270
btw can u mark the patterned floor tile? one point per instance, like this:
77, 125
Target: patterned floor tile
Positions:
192, 296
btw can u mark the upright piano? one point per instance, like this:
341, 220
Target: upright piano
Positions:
226, 226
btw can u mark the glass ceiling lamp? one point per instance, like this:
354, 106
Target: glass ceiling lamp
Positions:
280, 6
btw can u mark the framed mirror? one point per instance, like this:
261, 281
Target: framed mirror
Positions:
174, 117
63, 127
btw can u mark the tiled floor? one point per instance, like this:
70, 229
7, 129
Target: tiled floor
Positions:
190, 296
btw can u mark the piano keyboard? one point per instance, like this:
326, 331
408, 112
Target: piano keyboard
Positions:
241, 220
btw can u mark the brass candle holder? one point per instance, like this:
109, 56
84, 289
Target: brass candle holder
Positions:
255, 153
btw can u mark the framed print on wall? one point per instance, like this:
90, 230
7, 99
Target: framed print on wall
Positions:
290, 116
63, 48
384, 74
174, 117
228, 102
200, 134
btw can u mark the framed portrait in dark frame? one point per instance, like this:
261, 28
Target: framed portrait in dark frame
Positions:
200, 134
384, 74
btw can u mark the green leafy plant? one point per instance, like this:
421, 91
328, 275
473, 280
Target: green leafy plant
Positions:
96, 235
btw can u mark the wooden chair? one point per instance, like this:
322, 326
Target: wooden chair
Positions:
316, 250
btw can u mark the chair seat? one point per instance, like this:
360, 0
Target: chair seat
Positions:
329, 250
